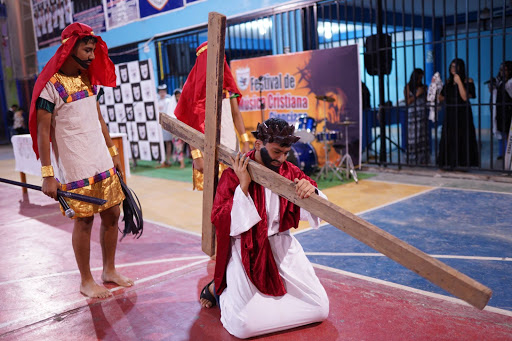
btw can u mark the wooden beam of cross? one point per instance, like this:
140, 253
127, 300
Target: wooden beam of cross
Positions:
424, 265
213, 105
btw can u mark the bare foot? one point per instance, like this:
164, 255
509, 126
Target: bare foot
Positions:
117, 278
204, 302
92, 289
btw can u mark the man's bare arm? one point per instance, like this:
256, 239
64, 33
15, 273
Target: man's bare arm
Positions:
44, 123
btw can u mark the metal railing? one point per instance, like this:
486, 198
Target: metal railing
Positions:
425, 35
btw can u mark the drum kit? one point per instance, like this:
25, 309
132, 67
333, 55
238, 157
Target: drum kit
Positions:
304, 155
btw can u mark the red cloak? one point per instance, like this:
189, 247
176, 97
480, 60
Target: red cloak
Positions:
100, 72
257, 257
191, 106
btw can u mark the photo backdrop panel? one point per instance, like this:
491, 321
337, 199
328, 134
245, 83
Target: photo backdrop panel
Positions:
130, 108
289, 85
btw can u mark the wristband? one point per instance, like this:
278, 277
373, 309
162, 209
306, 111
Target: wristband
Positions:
244, 137
196, 154
47, 171
113, 151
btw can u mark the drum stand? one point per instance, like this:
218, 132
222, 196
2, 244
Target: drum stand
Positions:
328, 165
349, 165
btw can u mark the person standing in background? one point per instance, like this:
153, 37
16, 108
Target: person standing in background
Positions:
10, 119
166, 106
501, 88
178, 145
417, 130
458, 146
191, 110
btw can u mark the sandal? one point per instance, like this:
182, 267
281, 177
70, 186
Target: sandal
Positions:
207, 295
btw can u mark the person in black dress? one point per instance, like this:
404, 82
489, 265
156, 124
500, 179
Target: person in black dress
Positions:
458, 146
504, 103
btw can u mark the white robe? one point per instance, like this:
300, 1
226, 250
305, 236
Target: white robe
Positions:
245, 312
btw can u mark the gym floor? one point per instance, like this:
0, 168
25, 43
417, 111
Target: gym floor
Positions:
464, 223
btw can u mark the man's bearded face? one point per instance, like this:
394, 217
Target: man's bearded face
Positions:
83, 54
273, 155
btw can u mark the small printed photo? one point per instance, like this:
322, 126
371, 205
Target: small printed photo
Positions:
135, 150
136, 91
150, 111
143, 134
117, 95
128, 110
111, 113
144, 70
123, 73
155, 151
123, 128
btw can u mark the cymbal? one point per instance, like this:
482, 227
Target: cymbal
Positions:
325, 98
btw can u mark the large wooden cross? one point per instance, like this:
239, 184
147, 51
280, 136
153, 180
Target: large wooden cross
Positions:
424, 265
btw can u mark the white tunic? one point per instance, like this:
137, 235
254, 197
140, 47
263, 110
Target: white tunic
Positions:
245, 312
77, 140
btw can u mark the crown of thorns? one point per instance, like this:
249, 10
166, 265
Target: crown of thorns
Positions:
271, 133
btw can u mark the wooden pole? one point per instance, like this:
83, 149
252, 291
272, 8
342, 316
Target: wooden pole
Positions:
214, 81
424, 265
23, 178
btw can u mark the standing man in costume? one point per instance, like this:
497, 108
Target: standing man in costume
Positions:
267, 285
65, 109
191, 110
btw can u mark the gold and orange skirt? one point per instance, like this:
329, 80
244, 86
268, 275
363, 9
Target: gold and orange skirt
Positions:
105, 186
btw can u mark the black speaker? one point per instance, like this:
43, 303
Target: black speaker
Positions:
374, 58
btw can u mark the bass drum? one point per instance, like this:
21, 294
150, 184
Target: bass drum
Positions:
303, 155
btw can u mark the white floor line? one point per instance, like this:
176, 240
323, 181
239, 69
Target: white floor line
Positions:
413, 290
156, 261
142, 280
50, 314
174, 228
355, 254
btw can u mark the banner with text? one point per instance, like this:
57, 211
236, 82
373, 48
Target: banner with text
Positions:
317, 91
